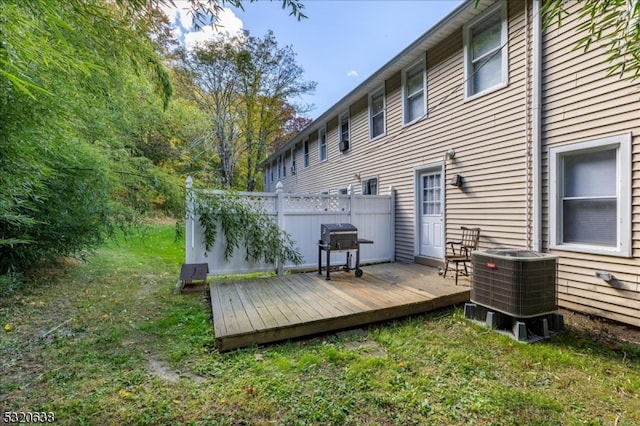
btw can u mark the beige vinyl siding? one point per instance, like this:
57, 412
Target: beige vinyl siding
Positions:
581, 103
359, 126
488, 134
491, 157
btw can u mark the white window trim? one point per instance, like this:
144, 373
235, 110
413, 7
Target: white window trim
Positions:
504, 35
378, 92
422, 63
340, 119
623, 194
326, 144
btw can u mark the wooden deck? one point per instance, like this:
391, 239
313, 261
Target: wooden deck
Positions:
258, 311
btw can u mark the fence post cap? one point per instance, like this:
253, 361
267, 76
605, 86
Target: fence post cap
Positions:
279, 187
189, 181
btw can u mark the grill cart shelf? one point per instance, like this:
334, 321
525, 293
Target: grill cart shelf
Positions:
339, 237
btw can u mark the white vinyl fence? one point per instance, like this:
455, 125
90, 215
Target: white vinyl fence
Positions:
301, 215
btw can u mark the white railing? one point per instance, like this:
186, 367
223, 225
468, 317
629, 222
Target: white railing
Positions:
300, 215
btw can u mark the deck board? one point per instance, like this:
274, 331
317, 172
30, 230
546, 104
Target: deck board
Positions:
255, 319
257, 311
328, 296
316, 305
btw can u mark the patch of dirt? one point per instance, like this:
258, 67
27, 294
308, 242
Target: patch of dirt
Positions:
367, 347
161, 220
164, 372
601, 329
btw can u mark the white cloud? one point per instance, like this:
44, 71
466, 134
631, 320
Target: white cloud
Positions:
227, 25
352, 73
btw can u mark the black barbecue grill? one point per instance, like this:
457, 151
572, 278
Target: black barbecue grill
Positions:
340, 237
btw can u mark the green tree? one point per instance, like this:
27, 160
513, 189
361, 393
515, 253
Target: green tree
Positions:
270, 80
208, 75
616, 23
86, 142
38, 31
67, 170
246, 86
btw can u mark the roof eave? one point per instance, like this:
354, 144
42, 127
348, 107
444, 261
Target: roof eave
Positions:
444, 28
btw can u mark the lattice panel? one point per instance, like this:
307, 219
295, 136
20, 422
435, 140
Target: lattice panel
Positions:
318, 203
268, 203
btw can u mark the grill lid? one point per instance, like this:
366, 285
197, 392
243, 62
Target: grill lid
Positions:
339, 236
338, 227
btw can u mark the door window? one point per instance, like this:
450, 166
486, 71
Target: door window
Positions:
431, 200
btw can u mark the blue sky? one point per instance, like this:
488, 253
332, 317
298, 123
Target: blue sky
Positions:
342, 42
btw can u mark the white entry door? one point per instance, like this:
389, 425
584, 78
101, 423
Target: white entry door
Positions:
431, 215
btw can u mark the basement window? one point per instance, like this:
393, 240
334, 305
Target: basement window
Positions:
370, 186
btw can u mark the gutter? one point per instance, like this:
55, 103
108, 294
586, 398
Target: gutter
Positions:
447, 24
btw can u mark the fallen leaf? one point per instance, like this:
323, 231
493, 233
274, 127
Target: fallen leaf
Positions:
259, 357
124, 393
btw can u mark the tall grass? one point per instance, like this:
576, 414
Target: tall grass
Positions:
107, 342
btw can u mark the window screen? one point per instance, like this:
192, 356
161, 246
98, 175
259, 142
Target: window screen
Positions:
589, 198
414, 92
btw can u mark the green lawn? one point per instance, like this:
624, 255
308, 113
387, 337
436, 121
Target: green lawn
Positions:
107, 342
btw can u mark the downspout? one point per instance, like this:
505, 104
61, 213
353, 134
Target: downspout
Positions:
537, 126
528, 127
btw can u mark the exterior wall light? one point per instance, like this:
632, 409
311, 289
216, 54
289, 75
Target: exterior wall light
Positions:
450, 155
607, 276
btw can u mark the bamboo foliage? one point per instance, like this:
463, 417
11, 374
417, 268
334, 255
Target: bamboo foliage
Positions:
611, 24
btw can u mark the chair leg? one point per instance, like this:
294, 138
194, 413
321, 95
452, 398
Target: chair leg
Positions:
456, 273
446, 266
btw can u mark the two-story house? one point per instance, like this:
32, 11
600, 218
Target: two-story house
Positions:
489, 120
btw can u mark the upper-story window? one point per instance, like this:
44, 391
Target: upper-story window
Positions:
343, 128
485, 52
322, 144
283, 163
305, 152
377, 125
414, 90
